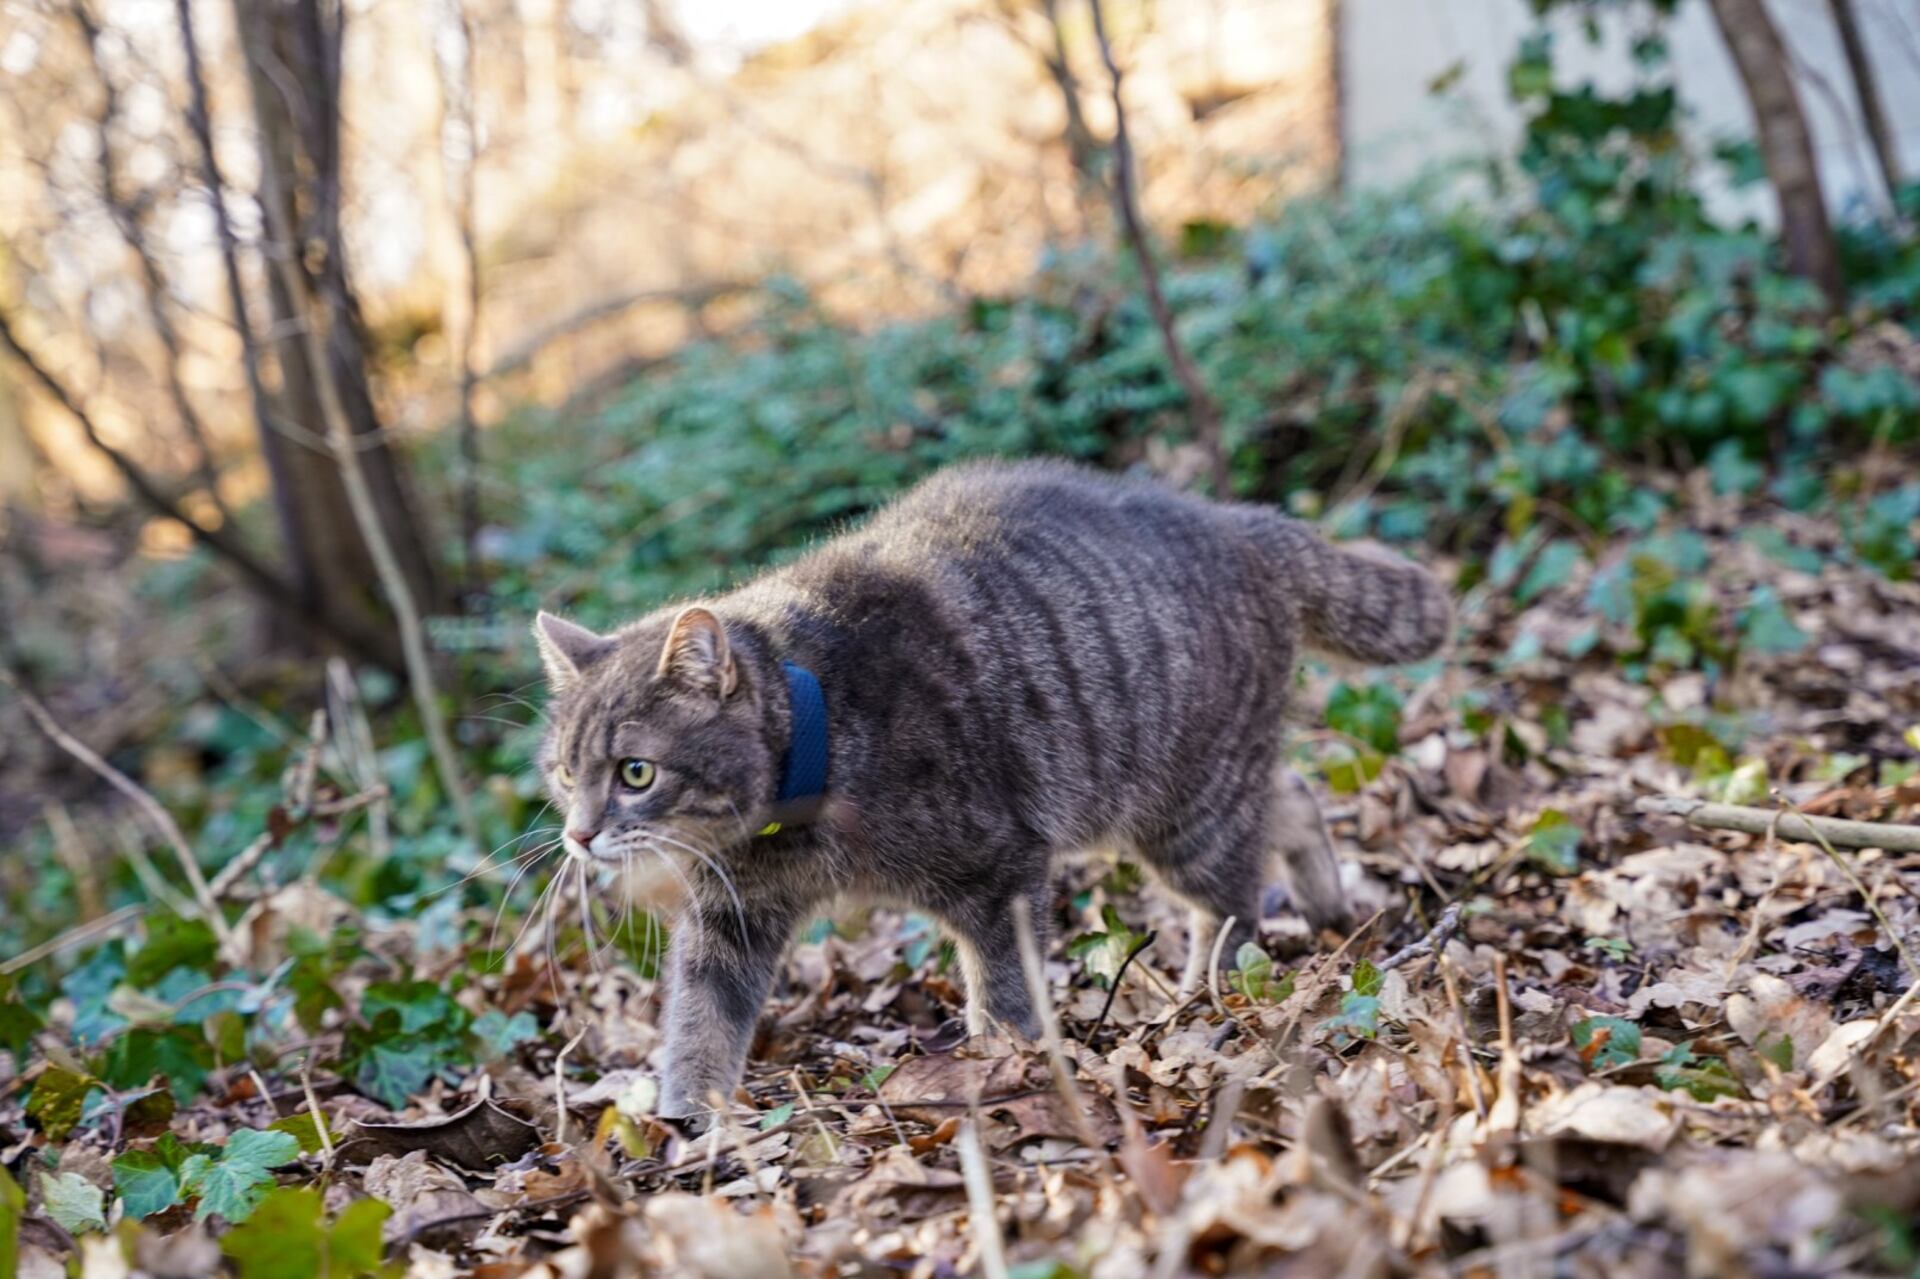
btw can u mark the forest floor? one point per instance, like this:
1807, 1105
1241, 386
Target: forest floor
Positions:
1572, 1036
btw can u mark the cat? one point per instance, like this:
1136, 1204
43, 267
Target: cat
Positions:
1009, 661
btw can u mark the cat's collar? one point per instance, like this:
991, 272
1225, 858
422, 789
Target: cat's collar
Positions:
803, 769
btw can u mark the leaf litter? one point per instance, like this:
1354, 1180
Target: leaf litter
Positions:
1572, 1037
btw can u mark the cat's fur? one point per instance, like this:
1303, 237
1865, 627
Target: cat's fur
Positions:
1018, 659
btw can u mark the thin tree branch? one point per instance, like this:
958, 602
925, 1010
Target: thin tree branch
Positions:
1200, 402
126, 219
219, 541
1866, 84
456, 103
393, 579
146, 803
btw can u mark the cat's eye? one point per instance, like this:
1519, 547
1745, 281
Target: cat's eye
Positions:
636, 774
565, 775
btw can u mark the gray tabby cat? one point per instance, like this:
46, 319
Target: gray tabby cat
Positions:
1014, 660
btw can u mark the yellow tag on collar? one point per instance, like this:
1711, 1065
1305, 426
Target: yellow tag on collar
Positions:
771, 828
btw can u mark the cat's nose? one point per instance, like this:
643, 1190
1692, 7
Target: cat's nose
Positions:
582, 837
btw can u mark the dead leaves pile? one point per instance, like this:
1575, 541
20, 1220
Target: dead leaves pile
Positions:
1646, 1049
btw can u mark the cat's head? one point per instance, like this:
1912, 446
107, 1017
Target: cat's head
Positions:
657, 737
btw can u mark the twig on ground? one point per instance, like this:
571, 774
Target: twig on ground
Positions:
146, 803
980, 1201
230, 875
1467, 1065
1118, 976
78, 935
1063, 1069
560, 1087
1213, 965
1505, 1115
1435, 941
1757, 821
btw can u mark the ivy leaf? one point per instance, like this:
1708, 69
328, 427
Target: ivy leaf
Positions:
1358, 1018
1252, 972
1367, 979
1554, 843
148, 1181
13, 1207
1605, 1042
181, 1054
421, 1005
58, 1096
234, 1183
74, 1202
393, 1069
172, 942
1102, 953
1766, 627
355, 1244
282, 1239
499, 1033
1702, 1078
288, 1238
1347, 770
1778, 1049
1370, 714
305, 1129
18, 1023
1554, 566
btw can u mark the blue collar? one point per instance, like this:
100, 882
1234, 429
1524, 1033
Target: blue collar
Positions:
803, 774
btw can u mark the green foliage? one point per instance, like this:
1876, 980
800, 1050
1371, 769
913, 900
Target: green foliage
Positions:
305, 1128
1554, 844
13, 1209
1369, 714
74, 1203
57, 1101
148, 1181
410, 1032
233, 1182
1103, 951
1702, 1078
1359, 1015
288, 1237
1254, 976
1606, 1042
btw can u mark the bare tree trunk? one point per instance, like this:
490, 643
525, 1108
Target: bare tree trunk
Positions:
1786, 144
292, 51
1873, 108
1200, 402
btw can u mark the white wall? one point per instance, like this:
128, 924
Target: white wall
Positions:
1392, 50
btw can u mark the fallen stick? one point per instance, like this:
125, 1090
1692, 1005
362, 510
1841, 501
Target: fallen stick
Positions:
1436, 939
1807, 830
104, 926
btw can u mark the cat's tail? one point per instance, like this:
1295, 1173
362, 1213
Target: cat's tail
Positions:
1363, 602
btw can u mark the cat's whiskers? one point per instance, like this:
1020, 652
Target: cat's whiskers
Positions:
532, 859
486, 863
712, 864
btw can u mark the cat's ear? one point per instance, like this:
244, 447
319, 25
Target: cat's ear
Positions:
566, 648
696, 655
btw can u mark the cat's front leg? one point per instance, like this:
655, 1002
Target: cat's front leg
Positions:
720, 968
